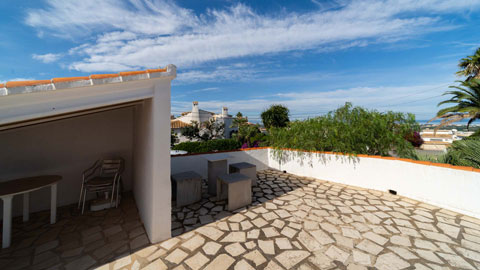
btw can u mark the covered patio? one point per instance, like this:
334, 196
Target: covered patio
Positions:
294, 223
61, 126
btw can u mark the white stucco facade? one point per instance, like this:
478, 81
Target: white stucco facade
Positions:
62, 129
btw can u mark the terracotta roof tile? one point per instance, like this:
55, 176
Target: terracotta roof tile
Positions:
69, 79
130, 73
104, 76
81, 80
156, 70
26, 83
178, 124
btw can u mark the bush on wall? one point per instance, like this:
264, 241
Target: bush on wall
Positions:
208, 146
352, 130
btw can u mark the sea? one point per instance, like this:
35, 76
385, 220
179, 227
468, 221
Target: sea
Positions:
459, 123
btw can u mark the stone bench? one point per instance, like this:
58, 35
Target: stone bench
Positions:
186, 188
247, 169
236, 188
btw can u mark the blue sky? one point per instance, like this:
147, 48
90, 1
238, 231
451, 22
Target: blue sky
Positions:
310, 55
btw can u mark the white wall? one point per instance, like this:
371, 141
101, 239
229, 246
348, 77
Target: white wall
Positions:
152, 188
453, 189
65, 147
198, 163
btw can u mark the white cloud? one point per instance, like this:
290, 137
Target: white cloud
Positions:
208, 89
67, 18
219, 73
145, 34
15, 79
421, 100
47, 58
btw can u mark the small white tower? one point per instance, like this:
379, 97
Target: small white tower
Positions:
195, 115
224, 112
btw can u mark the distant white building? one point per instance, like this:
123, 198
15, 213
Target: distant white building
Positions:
441, 139
201, 116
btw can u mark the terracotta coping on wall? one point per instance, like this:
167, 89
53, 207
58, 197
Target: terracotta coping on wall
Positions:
26, 83
104, 76
69, 79
2, 85
427, 163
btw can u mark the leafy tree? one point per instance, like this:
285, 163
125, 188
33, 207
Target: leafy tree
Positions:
248, 135
470, 66
192, 131
349, 129
239, 120
466, 100
275, 116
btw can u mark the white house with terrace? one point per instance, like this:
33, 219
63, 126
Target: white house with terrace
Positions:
200, 116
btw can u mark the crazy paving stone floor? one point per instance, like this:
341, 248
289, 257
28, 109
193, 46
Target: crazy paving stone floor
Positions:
293, 223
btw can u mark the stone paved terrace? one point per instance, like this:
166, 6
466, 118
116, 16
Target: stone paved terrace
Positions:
294, 223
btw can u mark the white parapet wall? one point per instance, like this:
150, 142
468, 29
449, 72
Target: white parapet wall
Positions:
449, 187
198, 163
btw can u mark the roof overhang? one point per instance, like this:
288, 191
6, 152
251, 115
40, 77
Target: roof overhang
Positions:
23, 109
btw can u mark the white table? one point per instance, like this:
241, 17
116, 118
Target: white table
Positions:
24, 186
217, 165
178, 152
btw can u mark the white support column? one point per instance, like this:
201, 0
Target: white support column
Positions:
160, 227
7, 221
26, 206
53, 204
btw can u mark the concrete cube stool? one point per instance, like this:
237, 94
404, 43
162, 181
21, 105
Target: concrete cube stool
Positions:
187, 187
247, 169
236, 188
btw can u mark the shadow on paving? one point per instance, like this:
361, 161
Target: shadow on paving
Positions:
270, 185
76, 241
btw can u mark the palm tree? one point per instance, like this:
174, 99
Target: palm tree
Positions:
466, 98
470, 66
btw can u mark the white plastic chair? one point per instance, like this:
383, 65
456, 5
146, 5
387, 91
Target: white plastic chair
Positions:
104, 176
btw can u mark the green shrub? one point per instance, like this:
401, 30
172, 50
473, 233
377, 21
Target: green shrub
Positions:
432, 158
352, 130
465, 152
208, 146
